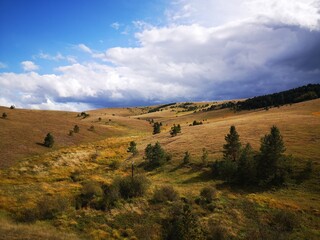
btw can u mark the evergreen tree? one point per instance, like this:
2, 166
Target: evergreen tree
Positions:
48, 140
233, 146
175, 130
272, 162
155, 155
183, 225
156, 128
133, 148
247, 169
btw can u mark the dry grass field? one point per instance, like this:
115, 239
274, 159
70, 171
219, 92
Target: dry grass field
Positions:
23, 131
31, 172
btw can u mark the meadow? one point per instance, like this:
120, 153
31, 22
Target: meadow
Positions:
31, 173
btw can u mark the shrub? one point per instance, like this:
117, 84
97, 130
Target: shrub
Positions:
115, 164
165, 193
48, 141
208, 194
46, 208
186, 158
70, 132
130, 187
12, 107
91, 193
91, 128
76, 128
204, 157
4, 115
50, 207
195, 123
183, 224
75, 176
284, 221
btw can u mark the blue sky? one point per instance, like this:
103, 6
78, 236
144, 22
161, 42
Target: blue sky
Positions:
31, 27
80, 54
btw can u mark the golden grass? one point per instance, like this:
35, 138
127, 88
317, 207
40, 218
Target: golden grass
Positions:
23, 132
14, 231
48, 172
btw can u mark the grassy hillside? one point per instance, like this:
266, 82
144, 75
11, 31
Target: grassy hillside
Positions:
58, 176
23, 131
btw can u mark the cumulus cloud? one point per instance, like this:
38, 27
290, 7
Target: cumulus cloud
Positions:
232, 50
29, 66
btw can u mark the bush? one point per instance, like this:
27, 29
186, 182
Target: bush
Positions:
48, 141
284, 221
186, 158
182, 224
115, 164
204, 157
208, 194
129, 187
50, 207
4, 115
91, 128
76, 128
91, 194
165, 193
47, 208
70, 132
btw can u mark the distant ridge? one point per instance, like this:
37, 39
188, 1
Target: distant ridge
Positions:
295, 95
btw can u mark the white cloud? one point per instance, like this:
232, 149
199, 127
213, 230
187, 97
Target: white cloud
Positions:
3, 65
244, 49
115, 25
29, 66
84, 48
304, 13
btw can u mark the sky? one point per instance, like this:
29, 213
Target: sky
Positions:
78, 55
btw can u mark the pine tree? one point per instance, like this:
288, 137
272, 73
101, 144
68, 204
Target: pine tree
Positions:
175, 130
155, 155
133, 148
156, 128
247, 167
232, 148
48, 140
271, 166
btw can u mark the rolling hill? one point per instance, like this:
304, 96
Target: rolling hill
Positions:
31, 172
